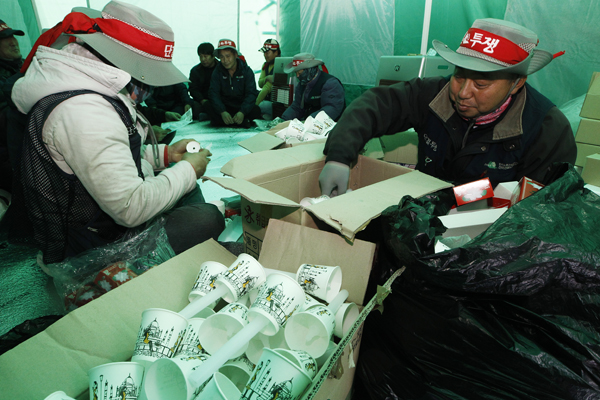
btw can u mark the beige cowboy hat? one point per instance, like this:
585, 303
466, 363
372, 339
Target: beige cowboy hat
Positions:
497, 45
152, 69
302, 61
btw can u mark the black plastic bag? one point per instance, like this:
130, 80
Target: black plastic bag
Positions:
513, 314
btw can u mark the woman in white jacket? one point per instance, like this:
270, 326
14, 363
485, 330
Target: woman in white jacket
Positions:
121, 55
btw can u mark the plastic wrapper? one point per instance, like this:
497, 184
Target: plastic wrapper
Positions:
513, 314
87, 276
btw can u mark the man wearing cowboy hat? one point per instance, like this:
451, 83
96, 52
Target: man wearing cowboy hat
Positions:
232, 92
484, 121
86, 179
316, 90
10, 63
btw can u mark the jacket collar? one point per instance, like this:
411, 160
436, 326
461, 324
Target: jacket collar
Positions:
510, 126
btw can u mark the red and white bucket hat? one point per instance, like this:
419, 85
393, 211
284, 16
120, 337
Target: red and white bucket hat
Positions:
497, 45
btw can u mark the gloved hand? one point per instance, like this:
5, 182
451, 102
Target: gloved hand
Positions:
334, 177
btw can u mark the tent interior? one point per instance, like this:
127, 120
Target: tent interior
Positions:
350, 36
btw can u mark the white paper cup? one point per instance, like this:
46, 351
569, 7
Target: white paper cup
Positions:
321, 281
277, 299
59, 395
260, 341
238, 371
116, 380
344, 319
302, 359
323, 359
242, 276
310, 302
217, 329
219, 387
310, 330
190, 346
205, 281
276, 377
161, 333
167, 378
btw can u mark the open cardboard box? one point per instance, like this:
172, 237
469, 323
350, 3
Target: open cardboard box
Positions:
272, 183
591, 104
105, 329
268, 141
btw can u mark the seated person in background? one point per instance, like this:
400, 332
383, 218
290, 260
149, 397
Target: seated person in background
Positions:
10, 64
200, 77
270, 50
232, 90
156, 117
483, 121
174, 98
91, 180
315, 91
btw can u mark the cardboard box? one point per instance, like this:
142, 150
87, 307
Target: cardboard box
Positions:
525, 188
583, 151
591, 104
272, 183
268, 141
472, 223
591, 170
401, 148
105, 330
588, 131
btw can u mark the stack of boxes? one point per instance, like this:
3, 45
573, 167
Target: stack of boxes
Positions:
588, 134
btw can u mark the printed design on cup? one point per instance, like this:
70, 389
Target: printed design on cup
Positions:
237, 309
190, 346
153, 341
307, 277
205, 282
262, 386
239, 276
274, 301
127, 390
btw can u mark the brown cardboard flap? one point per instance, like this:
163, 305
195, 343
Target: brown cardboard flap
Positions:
102, 331
261, 142
352, 211
256, 164
252, 192
287, 246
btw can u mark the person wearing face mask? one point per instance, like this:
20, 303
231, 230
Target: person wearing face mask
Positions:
270, 50
316, 90
85, 176
484, 121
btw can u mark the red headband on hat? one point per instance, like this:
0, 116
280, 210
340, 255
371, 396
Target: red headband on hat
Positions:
494, 46
295, 63
271, 46
226, 43
77, 22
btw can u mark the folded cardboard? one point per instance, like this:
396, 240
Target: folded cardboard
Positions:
268, 141
472, 223
588, 131
591, 170
591, 104
401, 148
583, 151
105, 330
272, 184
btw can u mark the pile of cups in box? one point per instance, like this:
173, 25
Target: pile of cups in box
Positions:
249, 332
